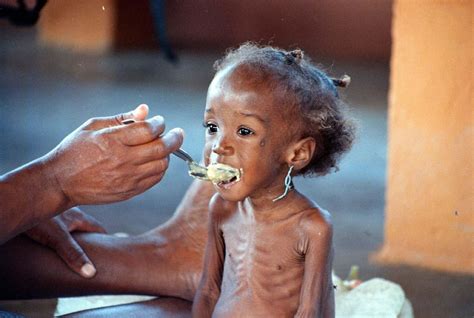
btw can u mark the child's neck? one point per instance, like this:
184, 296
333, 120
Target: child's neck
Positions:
264, 209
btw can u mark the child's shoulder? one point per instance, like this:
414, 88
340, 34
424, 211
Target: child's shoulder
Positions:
220, 208
315, 220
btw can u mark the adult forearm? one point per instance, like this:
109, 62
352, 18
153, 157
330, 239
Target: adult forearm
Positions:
29, 270
29, 195
149, 265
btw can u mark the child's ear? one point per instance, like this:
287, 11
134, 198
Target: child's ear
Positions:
301, 152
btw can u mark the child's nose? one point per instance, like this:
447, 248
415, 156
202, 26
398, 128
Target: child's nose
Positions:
222, 147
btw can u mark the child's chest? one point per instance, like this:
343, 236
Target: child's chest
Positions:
278, 246
263, 264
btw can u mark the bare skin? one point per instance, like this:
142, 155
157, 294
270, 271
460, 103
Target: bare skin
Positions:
56, 234
169, 256
164, 261
267, 264
264, 258
168, 260
100, 162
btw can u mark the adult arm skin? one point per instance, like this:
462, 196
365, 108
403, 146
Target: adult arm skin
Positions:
56, 233
210, 286
102, 161
164, 261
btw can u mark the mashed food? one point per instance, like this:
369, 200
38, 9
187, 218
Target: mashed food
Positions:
218, 172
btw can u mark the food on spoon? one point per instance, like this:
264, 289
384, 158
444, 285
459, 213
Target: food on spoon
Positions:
219, 172
197, 171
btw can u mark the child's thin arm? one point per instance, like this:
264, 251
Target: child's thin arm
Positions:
210, 286
317, 294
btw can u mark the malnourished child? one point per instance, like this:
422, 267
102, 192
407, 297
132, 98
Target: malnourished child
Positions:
272, 115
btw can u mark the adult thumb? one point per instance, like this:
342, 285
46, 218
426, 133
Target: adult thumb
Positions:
138, 114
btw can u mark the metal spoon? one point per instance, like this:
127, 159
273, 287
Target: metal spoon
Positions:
215, 172
195, 170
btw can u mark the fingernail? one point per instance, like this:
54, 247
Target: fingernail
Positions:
88, 270
158, 117
136, 111
178, 131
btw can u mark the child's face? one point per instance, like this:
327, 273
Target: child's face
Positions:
244, 130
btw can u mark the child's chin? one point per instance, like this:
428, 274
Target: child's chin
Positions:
231, 198
230, 194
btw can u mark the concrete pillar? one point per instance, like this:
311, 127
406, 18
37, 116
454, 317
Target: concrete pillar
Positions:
429, 200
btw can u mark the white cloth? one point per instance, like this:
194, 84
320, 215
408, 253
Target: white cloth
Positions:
377, 298
70, 305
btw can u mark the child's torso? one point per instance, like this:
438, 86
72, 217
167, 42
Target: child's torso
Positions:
263, 268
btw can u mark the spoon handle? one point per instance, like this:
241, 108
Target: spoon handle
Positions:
180, 153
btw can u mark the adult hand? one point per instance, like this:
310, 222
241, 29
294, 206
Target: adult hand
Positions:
105, 161
56, 234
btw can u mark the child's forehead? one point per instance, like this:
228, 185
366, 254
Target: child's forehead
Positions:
233, 96
229, 88
241, 78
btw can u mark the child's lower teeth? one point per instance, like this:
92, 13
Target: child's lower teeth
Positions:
223, 183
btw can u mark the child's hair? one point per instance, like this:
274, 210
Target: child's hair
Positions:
308, 93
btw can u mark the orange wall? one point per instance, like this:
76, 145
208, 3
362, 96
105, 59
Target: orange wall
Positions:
430, 199
78, 25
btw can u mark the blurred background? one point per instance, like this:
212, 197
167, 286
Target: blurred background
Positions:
94, 58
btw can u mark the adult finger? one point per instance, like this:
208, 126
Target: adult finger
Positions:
152, 168
38, 234
64, 244
73, 255
86, 223
159, 148
138, 133
138, 114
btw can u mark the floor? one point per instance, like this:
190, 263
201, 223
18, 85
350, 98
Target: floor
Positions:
46, 93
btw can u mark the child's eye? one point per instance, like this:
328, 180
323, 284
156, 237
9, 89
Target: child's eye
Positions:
245, 131
211, 128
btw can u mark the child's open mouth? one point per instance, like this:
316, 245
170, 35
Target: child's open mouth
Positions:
228, 183
223, 175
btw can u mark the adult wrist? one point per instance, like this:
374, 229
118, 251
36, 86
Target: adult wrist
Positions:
30, 195
49, 174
